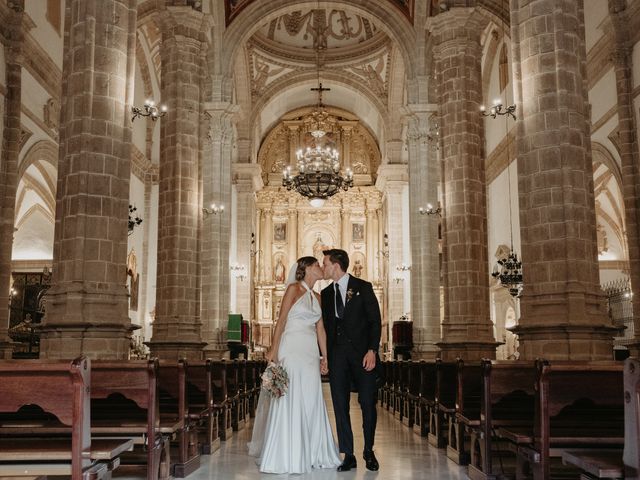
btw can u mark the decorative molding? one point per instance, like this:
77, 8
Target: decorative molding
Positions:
51, 114
142, 168
40, 65
40, 123
497, 160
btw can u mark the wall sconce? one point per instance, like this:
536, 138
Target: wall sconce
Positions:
403, 268
430, 210
240, 271
253, 251
134, 220
149, 109
213, 210
498, 109
398, 279
385, 246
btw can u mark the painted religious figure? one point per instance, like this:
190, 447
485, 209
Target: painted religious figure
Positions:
279, 271
279, 232
357, 232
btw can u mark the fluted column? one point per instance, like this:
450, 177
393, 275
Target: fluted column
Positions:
177, 326
247, 180
424, 176
371, 211
268, 244
216, 229
563, 314
87, 305
9, 165
392, 181
467, 328
346, 227
622, 59
292, 234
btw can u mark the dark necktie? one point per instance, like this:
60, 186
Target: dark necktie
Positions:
339, 303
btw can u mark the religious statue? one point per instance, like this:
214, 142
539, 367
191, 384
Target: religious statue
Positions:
279, 271
357, 268
318, 247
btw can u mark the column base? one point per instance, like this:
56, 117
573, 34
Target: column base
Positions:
566, 342
103, 341
427, 351
468, 351
216, 351
6, 350
176, 350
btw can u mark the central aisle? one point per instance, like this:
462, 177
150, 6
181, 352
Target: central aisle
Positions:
401, 453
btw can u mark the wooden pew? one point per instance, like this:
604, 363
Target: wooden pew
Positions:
413, 395
577, 405
426, 403
397, 389
507, 400
200, 406
631, 454
44, 422
221, 404
174, 411
244, 392
467, 411
405, 402
125, 404
233, 395
252, 389
445, 403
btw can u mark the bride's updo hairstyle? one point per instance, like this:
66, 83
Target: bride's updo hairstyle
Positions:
303, 263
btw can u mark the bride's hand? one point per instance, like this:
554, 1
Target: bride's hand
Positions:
324, 367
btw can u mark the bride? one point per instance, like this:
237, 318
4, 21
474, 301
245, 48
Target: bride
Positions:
291, 433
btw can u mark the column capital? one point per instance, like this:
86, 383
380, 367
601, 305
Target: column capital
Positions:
389, 174
186, 22
221, 117
248, 172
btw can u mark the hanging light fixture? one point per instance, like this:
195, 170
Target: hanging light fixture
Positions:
318, 176
507, 270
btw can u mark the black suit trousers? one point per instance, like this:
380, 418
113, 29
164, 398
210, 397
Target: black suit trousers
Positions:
345, 368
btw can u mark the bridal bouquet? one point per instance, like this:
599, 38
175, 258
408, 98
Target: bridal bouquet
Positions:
275, 380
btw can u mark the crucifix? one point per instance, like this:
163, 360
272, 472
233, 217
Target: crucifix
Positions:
320, 89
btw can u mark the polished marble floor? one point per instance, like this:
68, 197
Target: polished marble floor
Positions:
402, 455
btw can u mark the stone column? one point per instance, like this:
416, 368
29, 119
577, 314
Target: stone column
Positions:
176, 330
563, 315
292, 233
467, 328
9, 164
628, 143
424, 177
87, 305
247, 181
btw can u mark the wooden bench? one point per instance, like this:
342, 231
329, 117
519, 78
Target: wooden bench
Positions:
221, 404
406, 416
413, 395
174, 411
44, 422
577, 405
125, 404
233, 395
467, 411
426, 403
444, 403
507, 400
200, 406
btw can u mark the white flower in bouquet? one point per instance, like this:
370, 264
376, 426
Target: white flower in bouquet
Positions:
275, 380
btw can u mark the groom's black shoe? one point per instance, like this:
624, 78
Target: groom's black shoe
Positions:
371, 461
348, 463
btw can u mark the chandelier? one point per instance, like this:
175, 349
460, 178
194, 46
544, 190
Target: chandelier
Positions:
509, 272
318, 176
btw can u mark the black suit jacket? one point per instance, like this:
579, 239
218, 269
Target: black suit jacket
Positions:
361, 322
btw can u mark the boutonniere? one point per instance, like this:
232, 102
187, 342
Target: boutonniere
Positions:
350, 293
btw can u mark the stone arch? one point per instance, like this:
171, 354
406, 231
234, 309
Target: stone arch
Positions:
44, 150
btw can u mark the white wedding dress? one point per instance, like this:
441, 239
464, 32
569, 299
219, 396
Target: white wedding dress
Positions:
291, 434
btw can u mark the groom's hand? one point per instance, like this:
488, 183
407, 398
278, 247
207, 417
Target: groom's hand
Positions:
324, 368
369, 361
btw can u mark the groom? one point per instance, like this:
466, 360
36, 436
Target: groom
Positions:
352, 320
